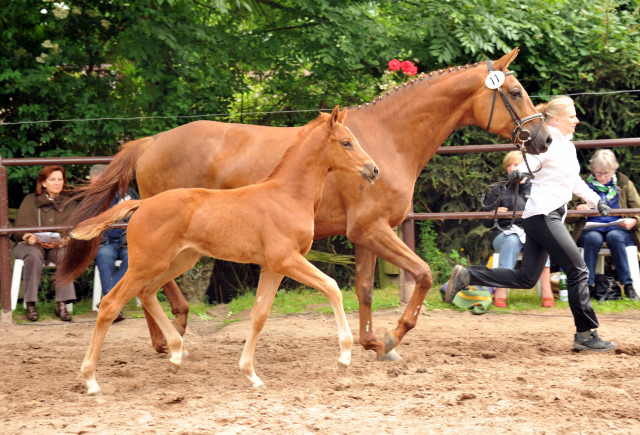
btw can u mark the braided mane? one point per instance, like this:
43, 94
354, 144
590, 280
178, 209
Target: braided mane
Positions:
435, 75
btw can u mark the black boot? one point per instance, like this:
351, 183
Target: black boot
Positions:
32, 313
630, 292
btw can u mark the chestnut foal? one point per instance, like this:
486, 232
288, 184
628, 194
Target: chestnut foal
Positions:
270, 223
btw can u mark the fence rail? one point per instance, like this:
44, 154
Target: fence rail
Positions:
408, 232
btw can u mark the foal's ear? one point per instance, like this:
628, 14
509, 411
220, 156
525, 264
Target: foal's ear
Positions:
335, 116
504, 62
342, 116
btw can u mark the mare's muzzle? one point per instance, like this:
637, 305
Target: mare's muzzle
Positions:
533, 143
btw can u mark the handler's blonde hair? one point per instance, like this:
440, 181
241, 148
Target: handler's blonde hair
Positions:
555, 106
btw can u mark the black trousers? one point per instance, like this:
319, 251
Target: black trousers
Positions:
546, 234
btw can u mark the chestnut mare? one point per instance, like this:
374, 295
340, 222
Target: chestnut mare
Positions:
269, 223
401, 131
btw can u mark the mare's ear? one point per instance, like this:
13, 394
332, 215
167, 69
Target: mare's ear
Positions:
335, 116
342, 116
504, 62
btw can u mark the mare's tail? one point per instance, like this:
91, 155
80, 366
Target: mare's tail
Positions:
94, 199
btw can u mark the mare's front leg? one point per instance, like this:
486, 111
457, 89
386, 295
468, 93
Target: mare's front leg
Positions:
179, 308
365, 271
298, 268
382, 241
267, 288
110, 306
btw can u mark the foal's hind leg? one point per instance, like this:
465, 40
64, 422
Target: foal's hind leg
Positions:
179, 308
267, 288
174, 339
298, 268
110, 306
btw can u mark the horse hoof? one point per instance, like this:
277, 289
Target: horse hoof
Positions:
173, 368
392, 356
344, 364
389, 342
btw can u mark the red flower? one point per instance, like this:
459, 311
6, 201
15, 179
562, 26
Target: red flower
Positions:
394, 65
408, 68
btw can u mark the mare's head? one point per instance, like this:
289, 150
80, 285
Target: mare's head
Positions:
343, 150
503, 106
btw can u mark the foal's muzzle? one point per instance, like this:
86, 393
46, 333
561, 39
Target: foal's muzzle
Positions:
370, 172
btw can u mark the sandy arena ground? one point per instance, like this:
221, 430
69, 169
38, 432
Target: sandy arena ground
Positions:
493, 373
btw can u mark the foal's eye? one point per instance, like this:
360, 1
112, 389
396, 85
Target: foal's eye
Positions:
346, 143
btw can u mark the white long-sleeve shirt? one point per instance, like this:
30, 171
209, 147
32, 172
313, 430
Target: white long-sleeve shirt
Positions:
558, 179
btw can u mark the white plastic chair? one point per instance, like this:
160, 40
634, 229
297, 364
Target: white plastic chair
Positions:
632, 258
16, 279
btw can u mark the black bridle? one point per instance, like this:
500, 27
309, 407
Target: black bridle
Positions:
521, 136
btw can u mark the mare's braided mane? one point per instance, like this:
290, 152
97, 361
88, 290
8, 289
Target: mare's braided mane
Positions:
419, 78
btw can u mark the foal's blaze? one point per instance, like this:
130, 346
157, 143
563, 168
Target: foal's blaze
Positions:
401, 131
269, 223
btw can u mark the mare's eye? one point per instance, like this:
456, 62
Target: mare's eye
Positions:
516, 92
346, 143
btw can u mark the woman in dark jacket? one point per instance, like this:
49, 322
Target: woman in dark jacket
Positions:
45, 207
617, 191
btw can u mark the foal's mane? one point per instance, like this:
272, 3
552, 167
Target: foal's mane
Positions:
300, 137
433, 77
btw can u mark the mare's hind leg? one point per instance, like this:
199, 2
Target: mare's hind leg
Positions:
110, 306
298, 268
267, 288
381, 240
179, 308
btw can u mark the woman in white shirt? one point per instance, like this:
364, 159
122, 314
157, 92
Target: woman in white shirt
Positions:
556, 179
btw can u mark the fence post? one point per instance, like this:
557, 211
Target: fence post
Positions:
5, 258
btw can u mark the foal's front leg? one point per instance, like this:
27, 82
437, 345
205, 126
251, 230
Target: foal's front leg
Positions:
267, 288
298, 268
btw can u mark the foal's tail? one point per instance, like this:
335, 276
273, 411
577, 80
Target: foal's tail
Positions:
95, 198
94, 227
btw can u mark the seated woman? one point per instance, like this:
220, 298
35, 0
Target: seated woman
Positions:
617, 191
508, 242
45, 207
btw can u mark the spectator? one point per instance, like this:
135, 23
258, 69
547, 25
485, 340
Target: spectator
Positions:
113, 245
617, 191
556, 180
45, 207
509, 239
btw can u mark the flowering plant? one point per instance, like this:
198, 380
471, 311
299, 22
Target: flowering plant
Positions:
408, 68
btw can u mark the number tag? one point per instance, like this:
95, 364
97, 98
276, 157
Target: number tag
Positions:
494, 80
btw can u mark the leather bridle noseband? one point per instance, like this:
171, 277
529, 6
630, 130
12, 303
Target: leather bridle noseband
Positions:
520, 137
